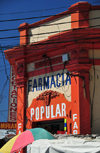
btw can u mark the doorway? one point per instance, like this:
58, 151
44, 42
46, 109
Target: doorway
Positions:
52, 125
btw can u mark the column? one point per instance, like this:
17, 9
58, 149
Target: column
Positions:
21, 97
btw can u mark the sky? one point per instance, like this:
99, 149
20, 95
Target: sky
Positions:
16, 9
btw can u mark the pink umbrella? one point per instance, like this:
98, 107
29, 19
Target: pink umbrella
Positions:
27, 137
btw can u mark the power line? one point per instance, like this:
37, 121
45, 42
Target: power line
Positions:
68, 44
51, 42
14, 37
28, 18
57, 42
89, 38
85, 38
31, 11
2, 90
44, 25
37, 17
76, 40
4, 64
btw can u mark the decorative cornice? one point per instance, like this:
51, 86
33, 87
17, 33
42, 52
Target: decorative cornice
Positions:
69, 40
78, 67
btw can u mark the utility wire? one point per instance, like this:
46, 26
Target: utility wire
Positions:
17, 45
37, 17
12, 37
31, 11
0, 95
46, 24
2, 90
65, 41
57, 42
28, 18
68, 44
4, 64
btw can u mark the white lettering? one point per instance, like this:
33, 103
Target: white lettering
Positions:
74, 117
37, 113
47, 112
74, 131
32, 113
42, 111
75, 126
52, 115
58, 110
19, 128
63, 109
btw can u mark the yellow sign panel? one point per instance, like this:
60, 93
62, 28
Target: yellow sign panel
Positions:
7, 125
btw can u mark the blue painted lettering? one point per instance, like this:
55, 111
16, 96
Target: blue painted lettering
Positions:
57, 79
68, 79
34, 85
29, 85
40, 84
62, 79
52, 81
46, 83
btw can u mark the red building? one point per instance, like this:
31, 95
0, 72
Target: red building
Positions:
53, 65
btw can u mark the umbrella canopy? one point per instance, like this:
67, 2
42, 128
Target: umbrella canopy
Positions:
25, 138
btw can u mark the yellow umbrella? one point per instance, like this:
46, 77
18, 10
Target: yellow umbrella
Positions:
27, 137
8, 146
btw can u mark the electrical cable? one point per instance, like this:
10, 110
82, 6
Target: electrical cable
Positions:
28, 18
31, 11
99, 37
11, 46
57, 42
43, 25
38, 17
2, 90
85, 38
68, 44
4, 64
15, 37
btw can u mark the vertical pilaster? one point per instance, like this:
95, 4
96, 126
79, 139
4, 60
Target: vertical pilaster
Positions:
20, 109
23, 29
80, 103
75, 104
80, 15
85, 106
79, 115
21, 97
